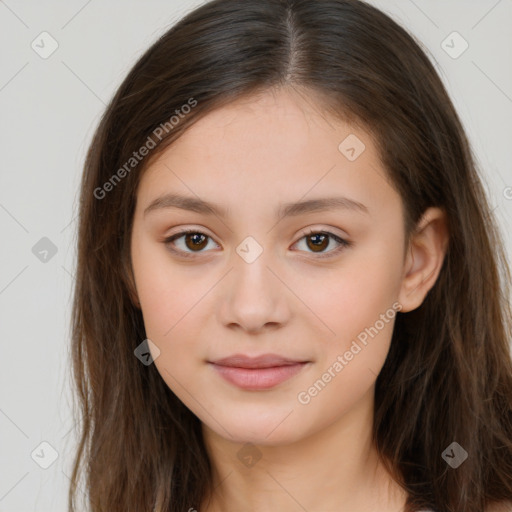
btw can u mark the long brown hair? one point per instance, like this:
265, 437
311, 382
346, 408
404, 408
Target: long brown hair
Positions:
448, 374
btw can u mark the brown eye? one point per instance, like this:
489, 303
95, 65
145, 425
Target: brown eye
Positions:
193, 242
318, 241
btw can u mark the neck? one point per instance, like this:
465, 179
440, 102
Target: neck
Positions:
337, 468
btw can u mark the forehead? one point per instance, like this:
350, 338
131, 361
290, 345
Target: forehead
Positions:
276, 147
287, 118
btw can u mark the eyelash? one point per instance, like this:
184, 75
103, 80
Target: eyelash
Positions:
343, 243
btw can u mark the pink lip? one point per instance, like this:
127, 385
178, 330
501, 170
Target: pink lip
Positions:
257, 373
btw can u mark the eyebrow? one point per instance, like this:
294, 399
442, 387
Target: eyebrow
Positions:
285, 210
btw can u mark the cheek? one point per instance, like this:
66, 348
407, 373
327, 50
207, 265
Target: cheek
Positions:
167, 302
353, 296
157, 296
159, 291
175, 305
162, 290
355, 301
358, 306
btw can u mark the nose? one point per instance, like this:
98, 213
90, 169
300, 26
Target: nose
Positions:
253, 298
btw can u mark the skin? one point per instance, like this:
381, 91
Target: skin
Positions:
250, 157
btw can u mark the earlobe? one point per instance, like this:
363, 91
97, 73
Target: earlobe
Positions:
425, 257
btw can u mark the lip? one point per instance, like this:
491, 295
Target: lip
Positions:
257, 373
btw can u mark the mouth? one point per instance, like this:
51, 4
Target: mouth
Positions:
257, 373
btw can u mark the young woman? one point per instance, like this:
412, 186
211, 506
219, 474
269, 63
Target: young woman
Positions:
291, 294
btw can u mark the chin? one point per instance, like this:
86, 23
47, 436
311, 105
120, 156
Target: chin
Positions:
270, 429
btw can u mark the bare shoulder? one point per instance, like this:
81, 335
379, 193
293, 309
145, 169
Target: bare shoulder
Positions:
502, 506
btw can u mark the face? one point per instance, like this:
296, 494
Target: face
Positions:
269, 268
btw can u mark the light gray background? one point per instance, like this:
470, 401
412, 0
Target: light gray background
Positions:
49, 110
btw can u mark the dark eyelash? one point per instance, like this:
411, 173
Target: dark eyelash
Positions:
170, 239
343, 243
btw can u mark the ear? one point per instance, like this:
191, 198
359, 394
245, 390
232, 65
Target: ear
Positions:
424, 258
